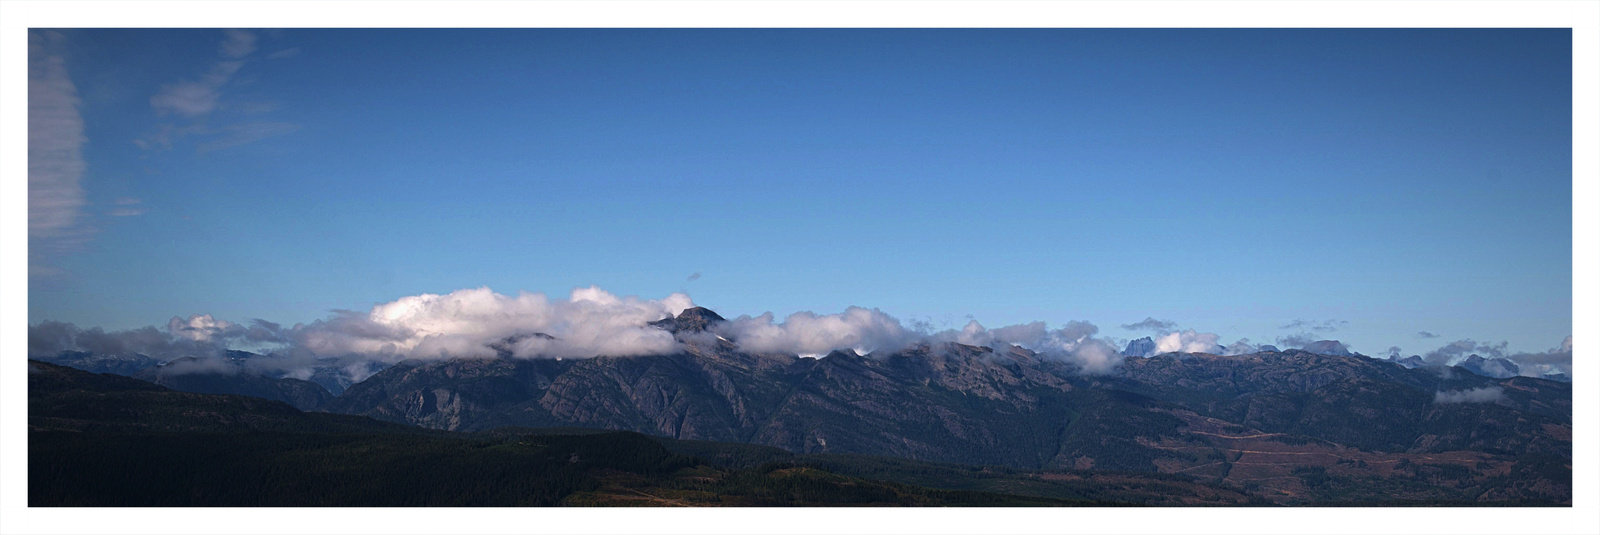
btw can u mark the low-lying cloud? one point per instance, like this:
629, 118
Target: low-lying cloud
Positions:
1455, 352
1188, 341
465, 323
1074, 343
590, 322
1488, 394
1554, 361
1241, 347
1166, 337
807, 333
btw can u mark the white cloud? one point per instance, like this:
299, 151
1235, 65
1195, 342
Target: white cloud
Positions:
1187, 341
55, 155
1074, 343
465, 323
195, 98
856, 328
199, 327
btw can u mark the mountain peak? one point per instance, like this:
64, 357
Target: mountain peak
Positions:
692, 319
845, 353
1142, 347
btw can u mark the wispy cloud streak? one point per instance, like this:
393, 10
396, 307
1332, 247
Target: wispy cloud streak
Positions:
198, 97
191, 104
55, 156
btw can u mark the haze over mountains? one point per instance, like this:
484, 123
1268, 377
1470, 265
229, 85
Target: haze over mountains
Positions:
1294, 426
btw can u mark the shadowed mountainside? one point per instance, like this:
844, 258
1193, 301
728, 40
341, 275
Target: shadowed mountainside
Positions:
1173, 413
106, 440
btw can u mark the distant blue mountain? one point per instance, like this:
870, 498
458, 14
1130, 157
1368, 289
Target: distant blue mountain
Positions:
127, 364
1328, 347
1142, 347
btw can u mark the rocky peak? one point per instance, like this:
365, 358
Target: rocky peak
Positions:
694, 319
1142, 347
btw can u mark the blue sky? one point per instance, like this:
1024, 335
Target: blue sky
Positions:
1231, 181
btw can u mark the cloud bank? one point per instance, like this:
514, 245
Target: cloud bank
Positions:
807, 333
1554, 361
465, 323
1187, 341
590, 322
1074, 343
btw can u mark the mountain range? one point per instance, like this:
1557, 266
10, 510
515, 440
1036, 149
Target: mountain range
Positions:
103, 440
1294, 427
